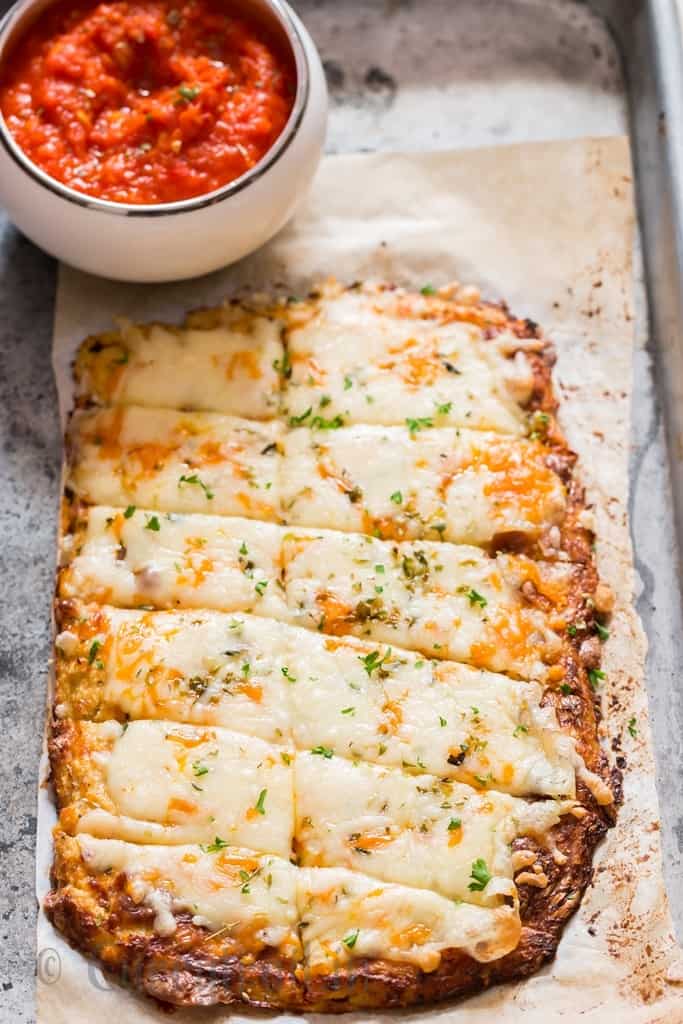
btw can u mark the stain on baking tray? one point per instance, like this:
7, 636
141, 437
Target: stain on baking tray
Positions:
334, 73
375, 86
380, 81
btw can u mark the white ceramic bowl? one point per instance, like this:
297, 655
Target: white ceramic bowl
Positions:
168, 241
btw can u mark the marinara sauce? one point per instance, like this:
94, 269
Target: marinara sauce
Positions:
146, 101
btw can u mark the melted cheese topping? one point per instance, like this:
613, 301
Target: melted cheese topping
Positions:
345, 914
176, 462
355, 359
224, 361
349, 915
418, 831
447, 601
447, 484
200, 667
389, 706
284, 684
138, 557
230, 890
163, 783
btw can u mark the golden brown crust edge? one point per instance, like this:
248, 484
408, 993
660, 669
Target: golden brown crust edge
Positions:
544, 914
98, 917
190, 969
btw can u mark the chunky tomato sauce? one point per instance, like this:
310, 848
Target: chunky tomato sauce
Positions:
146, 101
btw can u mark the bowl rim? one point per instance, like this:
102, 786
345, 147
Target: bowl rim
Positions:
293, 31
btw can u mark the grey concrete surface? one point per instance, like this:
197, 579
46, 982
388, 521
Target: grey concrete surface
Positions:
29, 465
493, 73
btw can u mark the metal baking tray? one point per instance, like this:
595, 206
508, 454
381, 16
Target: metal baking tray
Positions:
403, 74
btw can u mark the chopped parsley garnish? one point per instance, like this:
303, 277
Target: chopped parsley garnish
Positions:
323, 752
351, 940
397, 498
199, 769
260, 587
374, 660
153, 524
566, 689
421, 423
601, 631
443, 409
324, 400
244, 550
245, 879
217, 845
348, 383
442, 722
261, 802
480, 875
414, 567
572, 630
287, 674
474, 597
188, 92
538, 424
519, 730
379, 569
595, 675
454, 823
428, 289
285, 758
130, 511
94, 648
348, 711
283, 366
194, 479
320, 423
632, 728
297, 421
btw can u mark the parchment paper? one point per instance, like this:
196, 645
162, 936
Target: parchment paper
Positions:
548, 227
